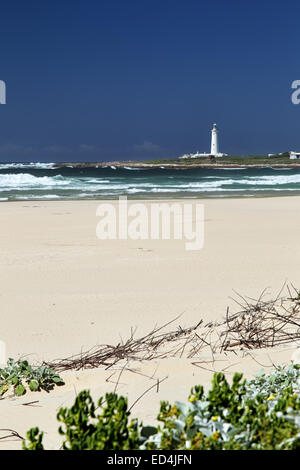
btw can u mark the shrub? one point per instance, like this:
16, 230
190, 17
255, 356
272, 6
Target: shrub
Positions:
83, 430
260, 414
263, 413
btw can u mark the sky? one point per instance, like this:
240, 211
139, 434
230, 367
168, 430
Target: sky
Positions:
99, 80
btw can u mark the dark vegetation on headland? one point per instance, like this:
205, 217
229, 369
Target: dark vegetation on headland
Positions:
252, 161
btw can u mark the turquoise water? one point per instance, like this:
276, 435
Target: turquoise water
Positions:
40, 181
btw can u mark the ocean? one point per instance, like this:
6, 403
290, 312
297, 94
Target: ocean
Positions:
42, 181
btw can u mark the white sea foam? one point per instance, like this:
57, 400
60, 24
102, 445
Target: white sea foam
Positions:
25, 180
131, 168
44, 196
270, 180
32, 165
97, 181
282, 169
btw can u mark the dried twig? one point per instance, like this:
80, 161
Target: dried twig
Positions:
148, 390
12, 434
259, 324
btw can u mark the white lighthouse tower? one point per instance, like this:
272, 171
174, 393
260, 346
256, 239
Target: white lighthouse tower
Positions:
214, 149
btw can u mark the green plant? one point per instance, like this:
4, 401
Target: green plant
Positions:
84, 430
35, 438
19, 375
260, 414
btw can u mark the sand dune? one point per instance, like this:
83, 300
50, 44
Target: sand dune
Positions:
63, 291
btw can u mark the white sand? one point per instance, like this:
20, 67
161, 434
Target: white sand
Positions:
63, 291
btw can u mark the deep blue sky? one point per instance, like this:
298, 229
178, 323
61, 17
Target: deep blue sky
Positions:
115, 79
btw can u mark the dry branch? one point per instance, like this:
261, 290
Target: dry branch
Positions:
259, 324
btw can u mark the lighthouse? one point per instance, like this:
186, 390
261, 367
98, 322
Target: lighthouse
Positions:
214, 149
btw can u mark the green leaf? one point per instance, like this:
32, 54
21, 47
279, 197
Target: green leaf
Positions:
58, 380
20, 390
23, 364
148, 431
33, 385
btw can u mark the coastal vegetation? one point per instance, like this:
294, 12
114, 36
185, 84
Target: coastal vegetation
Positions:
258, 414
18, 376
276, 159
281, 159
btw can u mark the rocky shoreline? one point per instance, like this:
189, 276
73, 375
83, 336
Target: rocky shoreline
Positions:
175, 166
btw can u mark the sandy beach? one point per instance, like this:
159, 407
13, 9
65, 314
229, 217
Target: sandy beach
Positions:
64, 291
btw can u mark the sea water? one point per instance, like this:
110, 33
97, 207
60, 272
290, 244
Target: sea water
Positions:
38, 181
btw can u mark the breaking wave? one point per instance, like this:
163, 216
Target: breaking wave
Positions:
44, 181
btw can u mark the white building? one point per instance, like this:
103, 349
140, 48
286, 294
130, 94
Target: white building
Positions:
214, 148
294, 155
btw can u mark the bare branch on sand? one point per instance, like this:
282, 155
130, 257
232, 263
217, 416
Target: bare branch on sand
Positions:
259, 324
